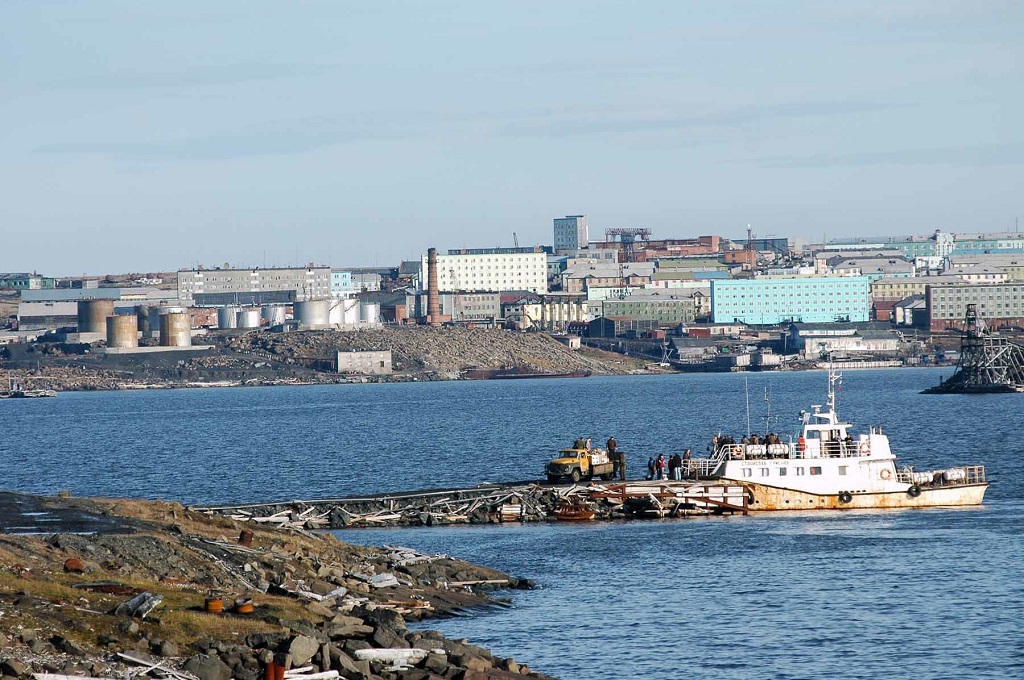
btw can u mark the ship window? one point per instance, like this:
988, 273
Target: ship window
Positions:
765, 472
842, 469
799, 472
816, 470
747, 472
782, 472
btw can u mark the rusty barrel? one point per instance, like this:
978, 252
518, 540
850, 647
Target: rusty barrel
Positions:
214, 605
245, 538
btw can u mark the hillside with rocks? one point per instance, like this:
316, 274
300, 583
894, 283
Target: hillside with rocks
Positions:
445, 351
158, 588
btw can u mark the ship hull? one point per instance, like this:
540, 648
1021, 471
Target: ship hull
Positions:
767, 498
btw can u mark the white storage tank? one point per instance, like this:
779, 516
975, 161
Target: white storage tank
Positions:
313, 314
275, 314
249, 317
369, 312
227, 317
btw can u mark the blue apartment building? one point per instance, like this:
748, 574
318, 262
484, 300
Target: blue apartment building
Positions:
770, 301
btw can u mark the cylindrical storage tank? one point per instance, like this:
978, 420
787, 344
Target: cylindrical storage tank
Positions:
227, 317
313, 313
175, 330
142, 319
92, 315
369, 312
123, 330
275, 314
249, 317
351, 316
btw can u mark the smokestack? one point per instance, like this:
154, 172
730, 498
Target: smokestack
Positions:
433, 299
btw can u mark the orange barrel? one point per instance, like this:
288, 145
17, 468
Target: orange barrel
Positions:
214, 605
245, 538
244, 606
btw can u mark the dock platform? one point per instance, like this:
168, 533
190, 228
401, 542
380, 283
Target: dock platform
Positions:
489, 503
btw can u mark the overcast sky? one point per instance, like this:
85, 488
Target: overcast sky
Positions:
146, 136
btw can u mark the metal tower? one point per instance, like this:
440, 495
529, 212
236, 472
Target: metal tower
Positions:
988, 362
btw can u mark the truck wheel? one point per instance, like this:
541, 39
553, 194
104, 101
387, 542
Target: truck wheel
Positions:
552, 479
575, 476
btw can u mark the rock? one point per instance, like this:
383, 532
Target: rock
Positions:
322, 587
40, 647
14, 668
208, 667
469, 662
68, 646
166, 648
436, 663
299, 627
319, 610
302, 649
27, 635
347, 631
129, 627
265, 640
74, 565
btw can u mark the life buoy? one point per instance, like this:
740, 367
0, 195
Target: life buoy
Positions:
886, 474
914, 491
845, 496
865, 447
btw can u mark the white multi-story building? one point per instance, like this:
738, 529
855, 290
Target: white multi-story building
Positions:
490, 270
302, 283
571, 232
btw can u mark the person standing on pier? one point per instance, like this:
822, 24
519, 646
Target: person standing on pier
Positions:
660, 465
613, 454
686, 461
650, 467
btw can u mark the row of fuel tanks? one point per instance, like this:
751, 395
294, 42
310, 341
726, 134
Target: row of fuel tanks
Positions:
173, 324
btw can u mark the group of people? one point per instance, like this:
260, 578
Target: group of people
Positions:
675, 466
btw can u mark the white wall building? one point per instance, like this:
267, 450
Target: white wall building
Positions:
490, 270
571, 232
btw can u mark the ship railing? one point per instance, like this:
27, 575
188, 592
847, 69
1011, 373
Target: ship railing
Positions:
756, 451
954, 476
695, 468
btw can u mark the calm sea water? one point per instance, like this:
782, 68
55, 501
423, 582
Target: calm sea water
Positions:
935, 593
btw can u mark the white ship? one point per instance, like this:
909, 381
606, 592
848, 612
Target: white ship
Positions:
828, 468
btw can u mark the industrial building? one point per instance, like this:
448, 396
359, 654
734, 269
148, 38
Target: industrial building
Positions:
767, 301
814, 339
490, 270
24, 281
572, 232
237, 286
478, 307
1000, 304
364, 362
668, 309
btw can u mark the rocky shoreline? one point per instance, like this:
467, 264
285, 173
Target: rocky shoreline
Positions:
163, 590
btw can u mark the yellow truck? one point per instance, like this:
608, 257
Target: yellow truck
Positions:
578, 463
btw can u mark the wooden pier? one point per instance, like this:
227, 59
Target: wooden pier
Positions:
489, 503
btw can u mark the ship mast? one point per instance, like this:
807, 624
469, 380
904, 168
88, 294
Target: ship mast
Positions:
834, 379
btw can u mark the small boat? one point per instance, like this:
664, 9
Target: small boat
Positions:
574, 512
827, 468
16, 390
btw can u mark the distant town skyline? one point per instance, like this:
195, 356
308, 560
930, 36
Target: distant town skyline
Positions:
156, 137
